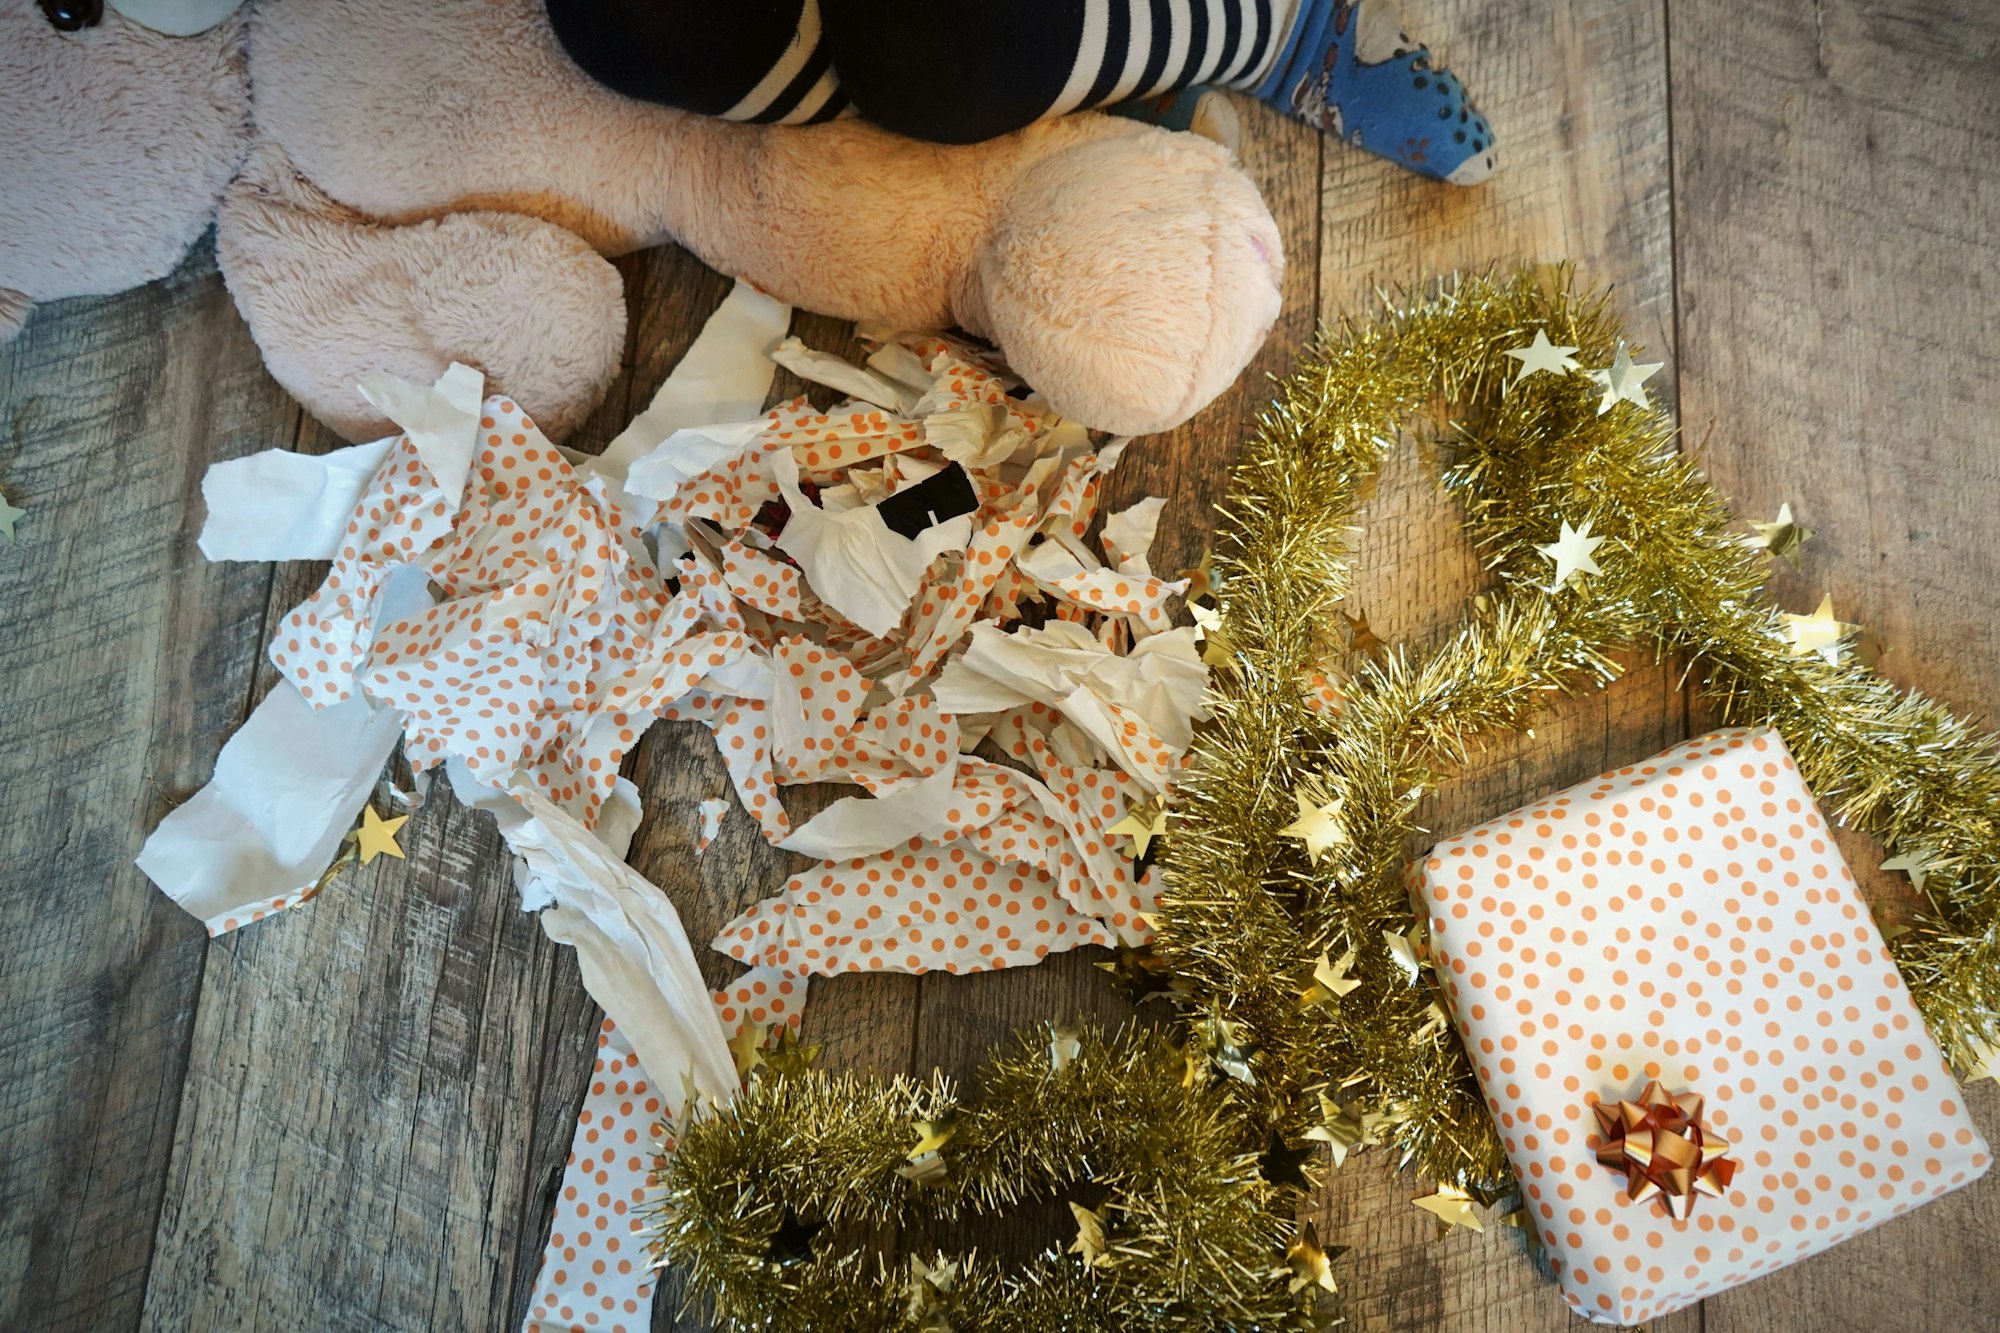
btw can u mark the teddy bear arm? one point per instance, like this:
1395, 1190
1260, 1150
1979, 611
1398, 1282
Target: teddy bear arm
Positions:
330, 295
1126, 272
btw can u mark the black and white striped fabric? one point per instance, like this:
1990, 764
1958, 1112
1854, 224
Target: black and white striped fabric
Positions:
933, 69
1143, 48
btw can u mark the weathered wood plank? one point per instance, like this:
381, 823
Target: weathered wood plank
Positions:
126, 659
1577, 95
1836, 186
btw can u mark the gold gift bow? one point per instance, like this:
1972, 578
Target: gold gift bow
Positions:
1663, 1149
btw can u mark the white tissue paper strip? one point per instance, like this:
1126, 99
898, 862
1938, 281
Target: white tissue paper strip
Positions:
287, 787
278, 505
724, 376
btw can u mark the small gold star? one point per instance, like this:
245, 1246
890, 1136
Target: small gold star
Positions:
1783, 535
1916, 863
1318, 826
1311, 1266
1361, 641
926, 1161
1572, 551
1142, 823
1543, 355
1452, 1208
747, 1046
1340, 1128
377, 836
1819, 633
1403, 953
1201, 579
1330, 979
1089, 1242
1623, 381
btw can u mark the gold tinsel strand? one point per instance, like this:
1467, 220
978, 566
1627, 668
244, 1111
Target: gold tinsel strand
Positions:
1247, 912
1194, 1234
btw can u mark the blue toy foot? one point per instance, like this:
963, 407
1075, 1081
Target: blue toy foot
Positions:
1351, 70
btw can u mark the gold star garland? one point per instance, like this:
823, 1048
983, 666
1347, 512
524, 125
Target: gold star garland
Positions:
1300, 975
1248, 911
1192, 1234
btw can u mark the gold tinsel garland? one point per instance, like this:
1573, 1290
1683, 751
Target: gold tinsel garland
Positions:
1187, 1225
1248, 913
1198, 1148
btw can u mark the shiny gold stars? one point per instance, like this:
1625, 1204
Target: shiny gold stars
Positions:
1573, 551
1782, 536
1452, 1207
1818, 634
377, 836
1622, 381
1318, 826
1542, 355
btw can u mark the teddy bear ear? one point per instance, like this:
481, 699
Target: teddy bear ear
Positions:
175, 18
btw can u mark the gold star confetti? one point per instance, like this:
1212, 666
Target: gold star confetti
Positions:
1064, 1046
926, 1161
927, 1282
377, 836
1452, 1207
1981, 1059
1361, 641
1222, 1043
1624, 381
1403, 953
1089, 1240
1311, 1266
1572, 550
1783, 535
1200, 579
8, 515
1819, 632
1330, 979
747, 1047
791, 1057
1282, 1164
1318, 826
1916, 863
1142, 823
1543, 355
1340, 1128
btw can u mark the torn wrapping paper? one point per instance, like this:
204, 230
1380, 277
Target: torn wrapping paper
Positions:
864, 595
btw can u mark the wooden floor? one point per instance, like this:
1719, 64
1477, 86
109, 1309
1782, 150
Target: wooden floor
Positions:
353, 1116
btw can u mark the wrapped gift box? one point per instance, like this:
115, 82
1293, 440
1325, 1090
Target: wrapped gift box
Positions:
1689, 920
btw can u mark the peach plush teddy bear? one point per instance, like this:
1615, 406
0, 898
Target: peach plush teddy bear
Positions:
398, 186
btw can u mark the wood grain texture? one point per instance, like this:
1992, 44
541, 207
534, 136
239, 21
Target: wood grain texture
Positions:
1836, 191
126, 659
355, 1115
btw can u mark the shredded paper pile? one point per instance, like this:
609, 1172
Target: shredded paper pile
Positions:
880, 595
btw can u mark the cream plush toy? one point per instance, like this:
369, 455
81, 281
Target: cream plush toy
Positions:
399, 186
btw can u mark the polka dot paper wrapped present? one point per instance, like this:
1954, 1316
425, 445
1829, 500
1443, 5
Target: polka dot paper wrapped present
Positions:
1680, 946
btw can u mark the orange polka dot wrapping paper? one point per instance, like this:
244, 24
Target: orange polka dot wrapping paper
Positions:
1690, 920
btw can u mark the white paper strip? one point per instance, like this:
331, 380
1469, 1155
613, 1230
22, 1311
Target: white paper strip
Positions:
278, 505
287, 787
724, 376
635, 958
